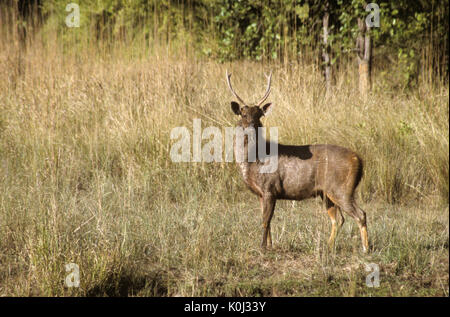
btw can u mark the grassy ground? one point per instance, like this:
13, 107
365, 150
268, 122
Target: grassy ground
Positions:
86, 178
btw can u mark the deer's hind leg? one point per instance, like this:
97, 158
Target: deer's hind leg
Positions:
334, 212
349, 205
362, 226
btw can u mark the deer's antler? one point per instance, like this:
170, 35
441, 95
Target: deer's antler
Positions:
269, 79
232, 90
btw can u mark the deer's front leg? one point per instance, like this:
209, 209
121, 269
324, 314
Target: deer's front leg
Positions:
269, 235
267, 206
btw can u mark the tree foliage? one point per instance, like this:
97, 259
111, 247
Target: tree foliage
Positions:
275, 30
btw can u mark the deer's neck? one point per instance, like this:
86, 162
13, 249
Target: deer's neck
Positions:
242, 150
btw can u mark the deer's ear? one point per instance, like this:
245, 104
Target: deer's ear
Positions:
236, 107
266, 108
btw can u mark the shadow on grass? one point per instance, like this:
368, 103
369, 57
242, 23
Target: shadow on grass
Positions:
130, 283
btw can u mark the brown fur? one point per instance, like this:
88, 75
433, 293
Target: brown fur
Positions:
304, 171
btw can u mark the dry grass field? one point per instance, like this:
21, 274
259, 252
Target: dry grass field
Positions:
86, 178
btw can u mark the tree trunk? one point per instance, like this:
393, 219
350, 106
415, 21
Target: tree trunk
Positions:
326, 50
364, 50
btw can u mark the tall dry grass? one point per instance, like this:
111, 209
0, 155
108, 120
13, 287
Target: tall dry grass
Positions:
86, 178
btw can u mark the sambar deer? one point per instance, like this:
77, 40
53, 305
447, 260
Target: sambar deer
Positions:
303, 171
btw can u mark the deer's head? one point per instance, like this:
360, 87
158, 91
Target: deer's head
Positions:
250, 115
